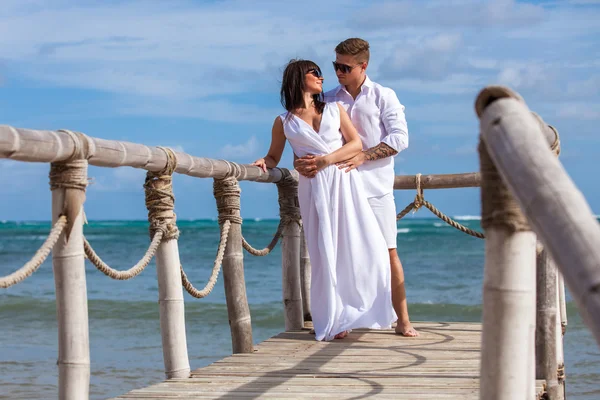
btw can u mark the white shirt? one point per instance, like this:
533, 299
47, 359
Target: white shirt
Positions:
378, 117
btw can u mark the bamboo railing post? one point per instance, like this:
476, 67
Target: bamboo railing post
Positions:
546, 323
558, 335
507, 349
555, 207
68, 181
305, 277
227, 194
562, 303
160, 203
289, 212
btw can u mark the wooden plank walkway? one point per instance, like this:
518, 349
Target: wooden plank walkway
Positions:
443, 363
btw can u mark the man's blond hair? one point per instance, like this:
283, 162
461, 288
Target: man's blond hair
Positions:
356, 47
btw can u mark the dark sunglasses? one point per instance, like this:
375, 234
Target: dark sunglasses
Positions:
343, 67
315, 72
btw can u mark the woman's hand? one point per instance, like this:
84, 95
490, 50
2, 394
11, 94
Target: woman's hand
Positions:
321, 162
261, 163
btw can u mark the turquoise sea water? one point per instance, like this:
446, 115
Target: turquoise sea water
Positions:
443, 267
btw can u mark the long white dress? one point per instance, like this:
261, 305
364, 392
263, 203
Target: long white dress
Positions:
350, 281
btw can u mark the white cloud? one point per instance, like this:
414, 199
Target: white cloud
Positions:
216, 110
427, 58
243, 151
447, 14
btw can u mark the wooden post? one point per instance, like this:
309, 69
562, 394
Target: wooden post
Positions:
556, 209
305, 277
68, 264
546, 323
227, 193
507, 349
289, 212
160, 202
558, 335
562, 303
172, 310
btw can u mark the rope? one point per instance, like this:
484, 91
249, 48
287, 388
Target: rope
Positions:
289, 212
199, 294
39, 257
160, 202
127, 274
498, 206
227, 194
71, 175
560, 373
420, 201
270, 246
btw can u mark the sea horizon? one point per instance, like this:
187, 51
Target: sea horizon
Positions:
443, 269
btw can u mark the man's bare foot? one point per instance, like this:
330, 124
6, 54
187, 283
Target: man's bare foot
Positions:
341, 335
406, 330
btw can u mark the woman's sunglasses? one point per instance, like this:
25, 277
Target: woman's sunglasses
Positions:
315, 72
343, 67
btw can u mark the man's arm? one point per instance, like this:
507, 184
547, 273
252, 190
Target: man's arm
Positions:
382, 150
396, 128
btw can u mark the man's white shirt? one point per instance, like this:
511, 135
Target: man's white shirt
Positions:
378, 117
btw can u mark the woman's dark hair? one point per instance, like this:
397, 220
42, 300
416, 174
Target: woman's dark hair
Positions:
292, 86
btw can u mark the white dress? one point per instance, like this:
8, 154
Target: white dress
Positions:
350, 281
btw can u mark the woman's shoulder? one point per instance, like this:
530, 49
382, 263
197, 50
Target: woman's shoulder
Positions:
333, 106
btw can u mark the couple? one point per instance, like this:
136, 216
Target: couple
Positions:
349, 216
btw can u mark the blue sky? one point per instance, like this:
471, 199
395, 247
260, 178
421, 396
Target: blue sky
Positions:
203, 77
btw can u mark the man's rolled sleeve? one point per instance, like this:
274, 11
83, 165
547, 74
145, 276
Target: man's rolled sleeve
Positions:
394, 121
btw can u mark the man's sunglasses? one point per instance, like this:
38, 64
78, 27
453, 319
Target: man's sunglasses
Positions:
343, 67
315, 72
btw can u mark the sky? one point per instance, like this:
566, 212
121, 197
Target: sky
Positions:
203, 77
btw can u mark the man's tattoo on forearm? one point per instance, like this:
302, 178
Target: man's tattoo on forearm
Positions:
380, 151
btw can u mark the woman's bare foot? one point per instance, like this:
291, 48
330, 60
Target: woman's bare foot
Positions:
341, 335
406, 330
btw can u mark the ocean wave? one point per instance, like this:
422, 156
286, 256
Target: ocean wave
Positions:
438, 224
468, 217
403, 230
21, 309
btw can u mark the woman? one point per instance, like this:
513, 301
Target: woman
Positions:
350, 277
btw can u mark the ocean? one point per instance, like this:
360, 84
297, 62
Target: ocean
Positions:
443, 268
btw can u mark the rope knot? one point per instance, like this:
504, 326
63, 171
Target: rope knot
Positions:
71, 175
160, 200
498, 206
419, 198
227, 194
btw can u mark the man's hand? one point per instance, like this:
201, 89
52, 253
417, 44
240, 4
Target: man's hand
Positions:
352, 163
307, 166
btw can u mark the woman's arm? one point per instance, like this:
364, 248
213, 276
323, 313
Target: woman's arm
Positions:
353, 144
275, 150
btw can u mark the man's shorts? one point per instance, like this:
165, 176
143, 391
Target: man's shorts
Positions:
385, 212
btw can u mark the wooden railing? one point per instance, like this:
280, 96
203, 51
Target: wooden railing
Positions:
520, 152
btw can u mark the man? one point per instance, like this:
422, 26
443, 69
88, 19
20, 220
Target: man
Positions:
379, 118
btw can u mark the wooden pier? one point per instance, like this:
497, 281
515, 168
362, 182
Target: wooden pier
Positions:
442, 363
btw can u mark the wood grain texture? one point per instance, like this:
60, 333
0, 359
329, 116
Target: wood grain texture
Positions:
442, 363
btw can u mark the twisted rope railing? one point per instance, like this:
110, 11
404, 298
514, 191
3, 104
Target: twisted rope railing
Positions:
189, 287
420, 201
160, 202
263, 252
38, 259
289, 211
227, 194
125, 274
